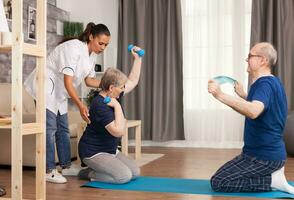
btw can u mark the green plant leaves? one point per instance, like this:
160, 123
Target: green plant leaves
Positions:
72, 29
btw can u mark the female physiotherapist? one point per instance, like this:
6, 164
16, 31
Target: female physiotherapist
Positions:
69, 64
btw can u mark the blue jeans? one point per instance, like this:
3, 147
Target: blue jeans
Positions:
57, 132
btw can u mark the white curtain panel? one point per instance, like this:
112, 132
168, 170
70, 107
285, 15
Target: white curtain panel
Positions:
216, 37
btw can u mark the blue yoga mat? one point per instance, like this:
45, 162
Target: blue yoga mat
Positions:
178, 185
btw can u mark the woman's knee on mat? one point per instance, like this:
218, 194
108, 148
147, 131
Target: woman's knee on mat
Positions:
136, 172
123, 177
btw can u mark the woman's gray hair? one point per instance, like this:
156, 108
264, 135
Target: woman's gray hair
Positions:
112, 76
268, 50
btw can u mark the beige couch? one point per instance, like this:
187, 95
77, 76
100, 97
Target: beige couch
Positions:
28, 116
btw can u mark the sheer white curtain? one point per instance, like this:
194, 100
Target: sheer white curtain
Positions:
216, 36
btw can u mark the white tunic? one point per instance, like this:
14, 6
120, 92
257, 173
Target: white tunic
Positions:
71, 58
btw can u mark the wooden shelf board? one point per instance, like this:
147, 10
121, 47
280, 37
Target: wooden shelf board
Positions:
5, 126
31, 128
6, 198
27, 128
28, 49
33, 50
5, 121
5, 48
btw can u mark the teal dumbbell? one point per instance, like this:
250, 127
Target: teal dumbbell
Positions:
140, 52
106, 100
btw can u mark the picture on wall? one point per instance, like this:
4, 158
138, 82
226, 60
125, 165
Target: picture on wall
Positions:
8, 9
32, 23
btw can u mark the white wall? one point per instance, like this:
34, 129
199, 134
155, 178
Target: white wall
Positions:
97, 11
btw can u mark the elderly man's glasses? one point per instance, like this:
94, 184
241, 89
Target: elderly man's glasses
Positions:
252, 55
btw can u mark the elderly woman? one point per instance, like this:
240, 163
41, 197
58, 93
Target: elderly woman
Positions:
98, 145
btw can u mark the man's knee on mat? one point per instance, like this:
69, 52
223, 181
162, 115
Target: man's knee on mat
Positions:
217, 184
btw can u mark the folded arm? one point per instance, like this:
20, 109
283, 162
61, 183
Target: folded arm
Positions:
117, 127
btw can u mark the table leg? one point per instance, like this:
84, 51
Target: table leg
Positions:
138, 142
124, 143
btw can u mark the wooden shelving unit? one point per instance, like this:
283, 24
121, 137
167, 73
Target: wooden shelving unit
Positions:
18, 129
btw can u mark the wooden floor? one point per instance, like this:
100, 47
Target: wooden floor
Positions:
177, 162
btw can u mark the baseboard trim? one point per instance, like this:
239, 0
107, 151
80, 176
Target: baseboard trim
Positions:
190, 144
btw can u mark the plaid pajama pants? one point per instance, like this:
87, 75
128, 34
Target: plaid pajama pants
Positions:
245, 174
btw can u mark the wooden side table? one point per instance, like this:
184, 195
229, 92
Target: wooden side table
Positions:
124, 140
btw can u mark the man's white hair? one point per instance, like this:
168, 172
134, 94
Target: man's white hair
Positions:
267, 50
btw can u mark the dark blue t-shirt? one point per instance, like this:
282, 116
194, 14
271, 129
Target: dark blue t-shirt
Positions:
263, 136
96, 138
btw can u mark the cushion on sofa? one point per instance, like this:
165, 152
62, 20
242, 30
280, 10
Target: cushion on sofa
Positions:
29, 141
5, 100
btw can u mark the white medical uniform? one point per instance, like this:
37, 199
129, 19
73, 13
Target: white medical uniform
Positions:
71, 58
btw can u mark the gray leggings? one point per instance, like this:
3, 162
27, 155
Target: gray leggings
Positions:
111, 168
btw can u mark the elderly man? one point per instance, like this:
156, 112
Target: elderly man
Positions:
260, 166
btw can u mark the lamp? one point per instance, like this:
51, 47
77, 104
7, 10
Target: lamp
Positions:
3, 20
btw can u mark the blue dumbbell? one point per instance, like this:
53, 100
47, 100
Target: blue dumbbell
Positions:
140, 52
106, 100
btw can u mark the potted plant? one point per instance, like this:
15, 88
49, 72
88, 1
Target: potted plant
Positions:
90, 96
72, 29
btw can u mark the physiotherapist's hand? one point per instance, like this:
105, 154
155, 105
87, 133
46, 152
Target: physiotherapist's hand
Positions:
214, 88
84, 113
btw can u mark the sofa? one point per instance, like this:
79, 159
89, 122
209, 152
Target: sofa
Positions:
29, 142
289, 133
